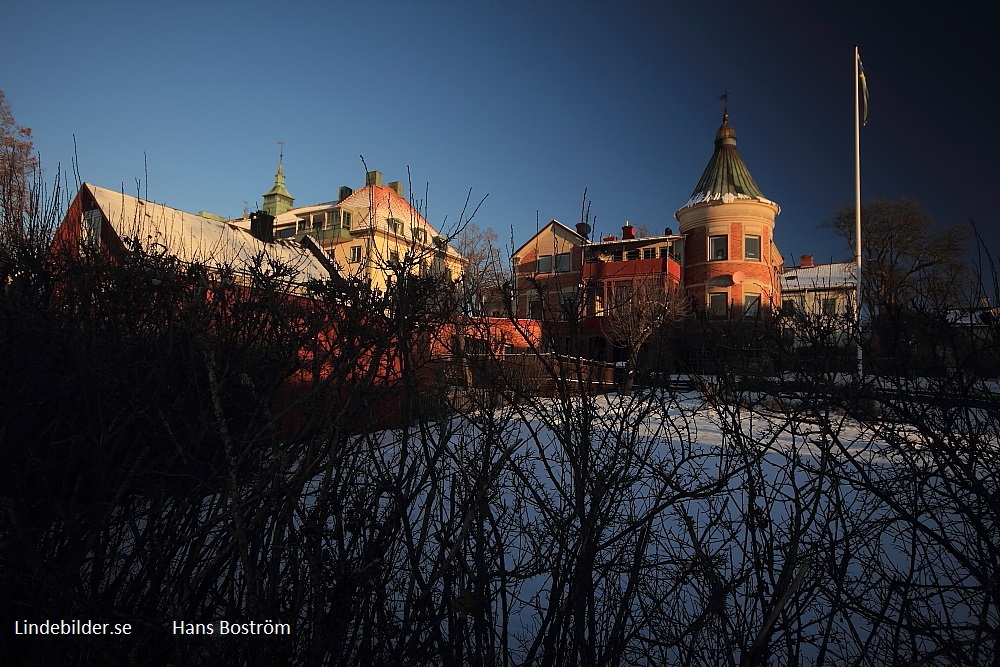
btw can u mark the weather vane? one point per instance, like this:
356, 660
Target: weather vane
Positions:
281, 151
725, 102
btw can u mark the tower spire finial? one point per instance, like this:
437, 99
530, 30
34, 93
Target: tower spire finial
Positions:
725, 105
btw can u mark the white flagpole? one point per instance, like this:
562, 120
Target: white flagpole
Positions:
857, 207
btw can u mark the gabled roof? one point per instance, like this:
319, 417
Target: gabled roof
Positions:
726, 178
197, 240
555, 224
382, 202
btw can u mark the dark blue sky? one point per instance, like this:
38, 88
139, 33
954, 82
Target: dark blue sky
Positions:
528, 102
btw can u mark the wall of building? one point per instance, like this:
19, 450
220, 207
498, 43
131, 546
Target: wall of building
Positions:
737, 275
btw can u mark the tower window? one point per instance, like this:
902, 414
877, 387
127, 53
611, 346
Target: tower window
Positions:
751, 304
718, 304
751, 248
718, 247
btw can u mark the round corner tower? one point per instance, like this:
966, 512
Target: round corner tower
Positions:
731, 263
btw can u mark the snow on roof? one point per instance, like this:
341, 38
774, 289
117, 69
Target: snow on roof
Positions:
638, 239
820, 276
197, 240
726, 177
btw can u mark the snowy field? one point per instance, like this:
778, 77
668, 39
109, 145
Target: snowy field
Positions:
665, 530
654, 529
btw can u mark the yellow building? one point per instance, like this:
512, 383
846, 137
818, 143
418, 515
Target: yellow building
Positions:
372, 233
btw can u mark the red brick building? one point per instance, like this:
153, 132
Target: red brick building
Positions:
731, 264
723, 258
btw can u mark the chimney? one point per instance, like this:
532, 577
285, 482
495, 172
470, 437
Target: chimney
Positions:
610, 238
262, 226
806, 262
583, 229
628, 232
397, 187
668, 232
344, 193
373, 178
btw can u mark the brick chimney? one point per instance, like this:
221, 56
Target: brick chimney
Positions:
628, 232
806, 262
373, 178
262, 226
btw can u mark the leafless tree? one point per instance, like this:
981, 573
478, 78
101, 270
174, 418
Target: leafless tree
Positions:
638, 311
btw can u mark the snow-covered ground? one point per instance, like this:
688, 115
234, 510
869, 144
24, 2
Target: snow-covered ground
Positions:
659, 528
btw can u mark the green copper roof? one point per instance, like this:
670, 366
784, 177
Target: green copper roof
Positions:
279, 183
725, 178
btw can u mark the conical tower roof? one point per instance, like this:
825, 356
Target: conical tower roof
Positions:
279, 181
726, 178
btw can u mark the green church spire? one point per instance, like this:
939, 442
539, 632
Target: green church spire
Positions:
277, 200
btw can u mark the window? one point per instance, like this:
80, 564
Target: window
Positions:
569, 308
751, 248
284, 233
319, 220
718, 304
718, 247
419, 234
751, 304
90, 230
394, 225
829, 306
632, 255
345, 222
623, 293
535, 310
649, 253
616, 256
544, 264
563, 262
788, 306
355, 254
664, 252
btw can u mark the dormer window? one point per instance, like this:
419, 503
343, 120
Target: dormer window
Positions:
419, 234
394, 225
